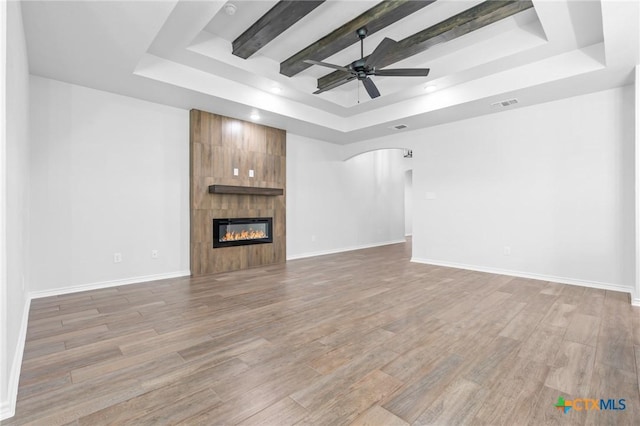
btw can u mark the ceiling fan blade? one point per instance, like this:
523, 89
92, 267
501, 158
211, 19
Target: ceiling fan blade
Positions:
402, 72
334, 85
372, 90
379, 52
325, 64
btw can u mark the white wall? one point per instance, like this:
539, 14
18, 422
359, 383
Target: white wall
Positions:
553, 182
335, 205
636, 294
408, 202
110, 174
15, 203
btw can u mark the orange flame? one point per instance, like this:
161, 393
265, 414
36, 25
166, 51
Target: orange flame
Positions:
245, 234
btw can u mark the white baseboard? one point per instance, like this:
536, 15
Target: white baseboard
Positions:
106, 284
342, 250
5, 410
8, 407
635, 301
534, 276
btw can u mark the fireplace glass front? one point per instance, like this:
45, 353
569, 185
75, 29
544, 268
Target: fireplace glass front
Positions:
242, 231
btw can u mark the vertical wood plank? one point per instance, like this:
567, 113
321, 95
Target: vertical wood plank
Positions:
218, 145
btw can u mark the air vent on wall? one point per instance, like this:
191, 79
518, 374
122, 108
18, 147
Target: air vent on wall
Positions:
399, 127
505, 103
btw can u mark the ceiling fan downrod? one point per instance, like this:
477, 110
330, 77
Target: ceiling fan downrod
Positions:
362, 33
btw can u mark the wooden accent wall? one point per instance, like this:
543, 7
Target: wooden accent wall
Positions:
218, 145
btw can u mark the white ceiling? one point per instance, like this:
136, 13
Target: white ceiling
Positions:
179, 53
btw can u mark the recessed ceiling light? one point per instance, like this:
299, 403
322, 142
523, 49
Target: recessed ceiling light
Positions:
430, 88
255, 116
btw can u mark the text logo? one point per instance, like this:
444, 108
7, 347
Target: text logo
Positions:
587, 404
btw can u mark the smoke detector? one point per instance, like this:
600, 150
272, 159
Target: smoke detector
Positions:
230, 9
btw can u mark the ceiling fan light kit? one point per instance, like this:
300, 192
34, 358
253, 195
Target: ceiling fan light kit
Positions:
362, 68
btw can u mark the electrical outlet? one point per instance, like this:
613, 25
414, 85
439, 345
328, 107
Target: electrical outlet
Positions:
251, 173
154, 254
507, 251
117, 257
313, 238
236, 172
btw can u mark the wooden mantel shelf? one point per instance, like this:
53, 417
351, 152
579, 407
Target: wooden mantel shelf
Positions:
244, 190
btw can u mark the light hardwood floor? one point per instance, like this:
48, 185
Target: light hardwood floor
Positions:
361, 338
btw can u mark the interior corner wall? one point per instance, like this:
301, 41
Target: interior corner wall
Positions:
109, 174
15, 204
335, 205
543, 191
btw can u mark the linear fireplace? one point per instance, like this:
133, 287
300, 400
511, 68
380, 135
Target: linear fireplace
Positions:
242, 231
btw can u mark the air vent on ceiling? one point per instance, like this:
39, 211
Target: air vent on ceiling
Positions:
399, 127
505, 103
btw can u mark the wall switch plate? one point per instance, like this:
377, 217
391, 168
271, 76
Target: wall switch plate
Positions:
117, 257
154, 254
313, 238
251, 173
507, 251
236, 172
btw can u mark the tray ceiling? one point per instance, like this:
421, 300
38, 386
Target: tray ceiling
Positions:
181, 53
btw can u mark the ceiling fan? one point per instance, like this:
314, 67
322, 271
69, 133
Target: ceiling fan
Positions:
362, 68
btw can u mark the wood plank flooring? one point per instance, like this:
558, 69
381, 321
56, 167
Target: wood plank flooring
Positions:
359, 338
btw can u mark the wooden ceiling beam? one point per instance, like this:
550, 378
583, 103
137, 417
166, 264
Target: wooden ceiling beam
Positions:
378, 17
458, 25
273, 23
